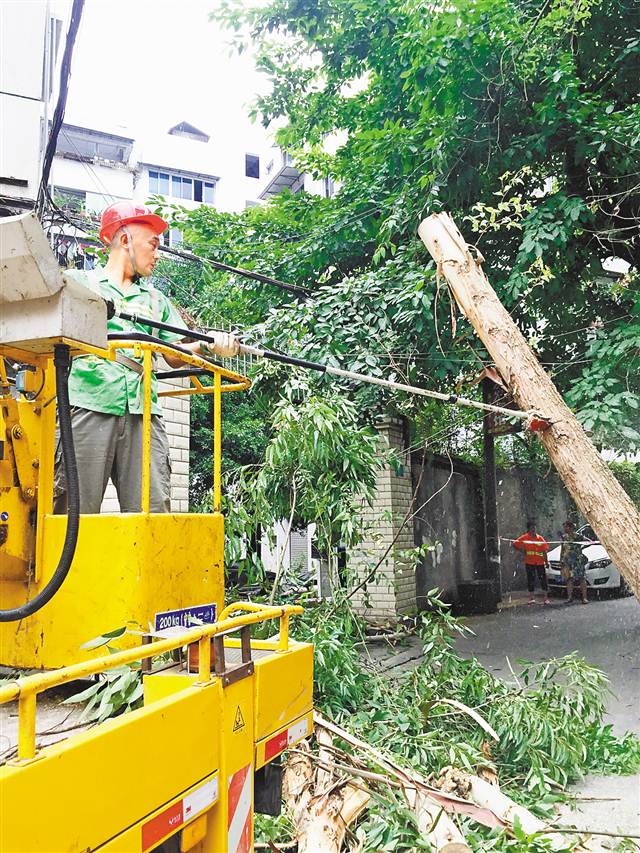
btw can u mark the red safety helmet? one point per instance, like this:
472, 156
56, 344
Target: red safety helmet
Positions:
123, 213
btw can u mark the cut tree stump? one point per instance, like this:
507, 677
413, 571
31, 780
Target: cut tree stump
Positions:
599, 496
322, 807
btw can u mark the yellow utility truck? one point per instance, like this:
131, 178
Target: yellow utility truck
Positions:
186, 771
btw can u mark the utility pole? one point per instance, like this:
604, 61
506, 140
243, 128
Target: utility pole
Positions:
599, 496
491, 533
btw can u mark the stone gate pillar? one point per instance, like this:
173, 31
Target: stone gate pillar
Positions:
392, 590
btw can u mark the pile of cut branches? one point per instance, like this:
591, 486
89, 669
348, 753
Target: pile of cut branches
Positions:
444, 757
328, 789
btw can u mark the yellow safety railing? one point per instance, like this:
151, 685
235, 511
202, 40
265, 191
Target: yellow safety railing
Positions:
233, 382
26, 689
249, 607
224, 381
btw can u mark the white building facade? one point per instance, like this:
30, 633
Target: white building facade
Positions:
30, 48
94, 167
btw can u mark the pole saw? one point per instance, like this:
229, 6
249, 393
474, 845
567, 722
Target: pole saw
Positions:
535, 421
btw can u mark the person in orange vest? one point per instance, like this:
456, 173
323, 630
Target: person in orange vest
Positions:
535, 549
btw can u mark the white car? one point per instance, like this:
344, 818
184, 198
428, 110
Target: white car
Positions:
600, 571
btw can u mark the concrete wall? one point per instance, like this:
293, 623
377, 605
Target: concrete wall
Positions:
523, 494
23, 32
451, 520
20, 146
103, 184
448, 517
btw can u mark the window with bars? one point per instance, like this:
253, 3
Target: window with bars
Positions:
87, 145
69, 199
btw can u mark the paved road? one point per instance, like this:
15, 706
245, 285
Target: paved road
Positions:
606, 633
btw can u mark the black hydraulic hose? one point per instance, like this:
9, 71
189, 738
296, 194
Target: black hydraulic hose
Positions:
62, 362
148, 339
183, 374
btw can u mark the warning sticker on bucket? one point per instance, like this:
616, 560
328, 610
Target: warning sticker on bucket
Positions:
186, 617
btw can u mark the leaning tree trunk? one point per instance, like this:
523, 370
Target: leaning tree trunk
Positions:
600, 497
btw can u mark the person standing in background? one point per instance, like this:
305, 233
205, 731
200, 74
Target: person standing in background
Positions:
535, 549
573, 562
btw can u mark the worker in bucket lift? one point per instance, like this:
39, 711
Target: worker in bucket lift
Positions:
106, 396
535, 549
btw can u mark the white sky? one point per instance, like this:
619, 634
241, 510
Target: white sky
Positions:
145, 65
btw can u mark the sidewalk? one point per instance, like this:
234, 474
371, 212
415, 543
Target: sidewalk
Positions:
604, 803
519, 598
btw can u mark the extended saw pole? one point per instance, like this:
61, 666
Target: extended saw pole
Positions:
600, 497
535, 421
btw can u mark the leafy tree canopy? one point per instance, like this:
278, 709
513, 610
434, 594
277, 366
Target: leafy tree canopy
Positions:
522, 119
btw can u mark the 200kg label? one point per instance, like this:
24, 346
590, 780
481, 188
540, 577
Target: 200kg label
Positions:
186, 617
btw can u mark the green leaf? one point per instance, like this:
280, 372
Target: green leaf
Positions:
105, 638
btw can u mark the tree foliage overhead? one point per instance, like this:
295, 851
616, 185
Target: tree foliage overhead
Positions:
520, 118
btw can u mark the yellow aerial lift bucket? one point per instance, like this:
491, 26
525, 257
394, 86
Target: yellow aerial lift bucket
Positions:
139, 570
186, 771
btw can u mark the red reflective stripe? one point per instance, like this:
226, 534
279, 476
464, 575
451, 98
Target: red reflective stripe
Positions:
235, 789
276, 744
161, 825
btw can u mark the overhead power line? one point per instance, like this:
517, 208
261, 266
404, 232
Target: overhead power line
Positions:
299, 290
256, 276
58, 115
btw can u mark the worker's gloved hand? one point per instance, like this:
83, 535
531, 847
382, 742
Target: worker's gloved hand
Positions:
226, 345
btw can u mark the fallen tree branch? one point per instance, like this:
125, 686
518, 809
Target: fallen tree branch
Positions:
429, 804
321, 806
473, 714
480, 800
411, 778
435, 826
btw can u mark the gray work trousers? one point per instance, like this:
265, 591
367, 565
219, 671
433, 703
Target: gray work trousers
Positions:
111, 446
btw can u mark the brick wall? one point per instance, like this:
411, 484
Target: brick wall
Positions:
176, 413
392, 590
